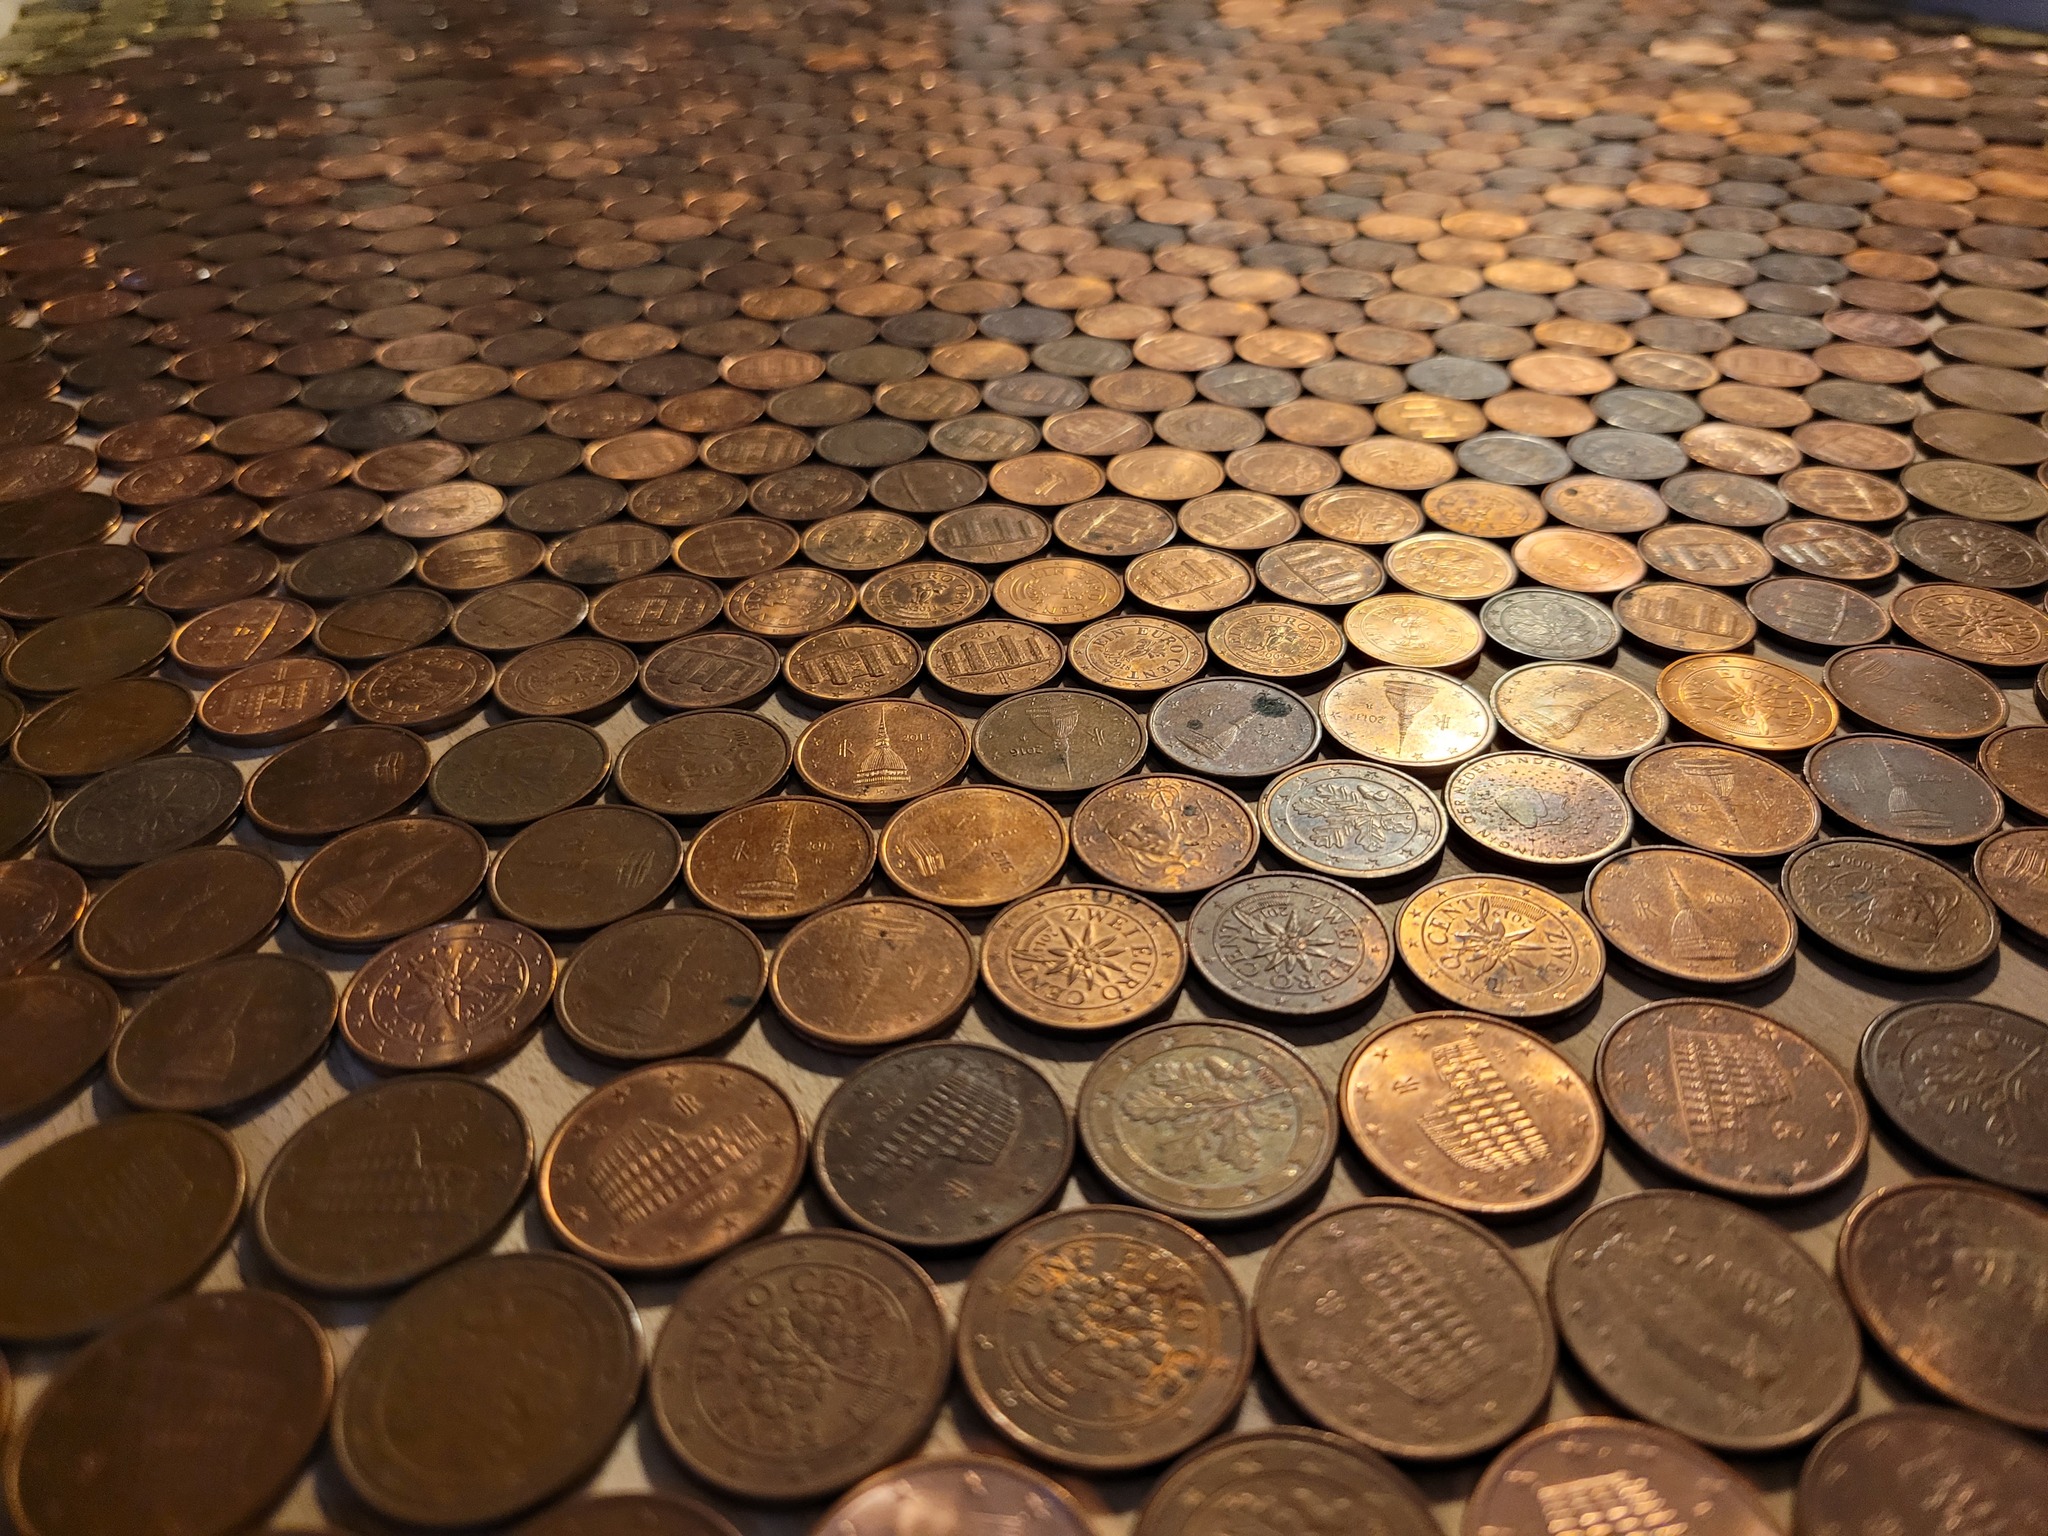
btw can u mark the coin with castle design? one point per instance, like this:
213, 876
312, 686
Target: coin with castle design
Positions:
1471, 1113
777, 859
1293, 946
1500, 946
1155, 1338
853, 661
392, 1182
1656, 1295
1295, 1474
671, 1165
1958, 1077
1907, 1464
994, 658
1727, 1097
872, 973
660, 984
1890, 906
1690, 916
1580, 1473
452, 995
942, 1145
1082, 958
1537, 808
709, 671
1406, 1327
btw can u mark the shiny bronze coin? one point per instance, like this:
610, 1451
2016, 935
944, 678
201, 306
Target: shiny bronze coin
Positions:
1890, 907
1722, 800
1186, 578
923, 594
1496, 1123
518, 772
1578, 560
1969, 624
708, 671
755, 1315
1015, 1318
383, 880
338, 1212
1584, 1470
629, 1514
1319, 573
872, 973
1907, 791
583, 868
1082, 958
1955, 1076
671, 1164
966, 1490
41, 901
1352, 820
2016, 760
1891, 1469
1577, 710
1364, 1310
181, 911
103, 727
1407, 719
854, 661
1915, 693
1292, 1474
1981, 491
779, 859
1500, 946
456, 994
1744, 701
1289, 945
1690, 916
422, 690
1151, 1106
68, 1271
1137, 654
54, 1027
660, 984
1818, 613
1727, 1097
81, 649
1277, 640
145, 811
2009, 867
545, 1352
1451, 566
881, 751
336, 780
1911, 1258
1621, 1268
1537, 808
703, 763
378, 624
239, 634
579, 677
653, 609
223, 1034
518, 615
197, 1416
974, 845
789, 603
273, 701
1164, 834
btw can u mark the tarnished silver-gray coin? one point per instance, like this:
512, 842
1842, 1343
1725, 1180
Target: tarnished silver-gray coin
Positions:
1234, 727
1549, 625
1294, 946
1353, 820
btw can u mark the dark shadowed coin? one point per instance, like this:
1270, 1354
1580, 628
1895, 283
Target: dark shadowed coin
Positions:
1082, 958
103, 727
1296, 1477
378, 882
582, 868
1915, 1260
95, 646
629, 1514
1890, 906
54, 1027
1959, 1078
541, 1350
708, 671
24, 808
843, 1343
1576, 1473
672, 1165
336, 780
1472, 1113
1656, 1293
1365, 1311
1234, 727
518, 772
1907, 791
872, 973
1916, 693
2009, 866
942, 1145
1819, 613
660, 984
2016, 760
197, 1416
1728, 1097
703, 763
221, 1035
452, 995
41, 901
422, 690
391, 1182
1293, 946
145, 811
1898, 1469
68, 1270
960, 1491
181, 911
1023, 1308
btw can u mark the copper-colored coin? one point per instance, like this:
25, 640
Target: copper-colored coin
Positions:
994, 658
386, 879
423, 689
1980, 491
1892, 1468
1471, 1113
70, 1271
82, 649
582, 868
1319, 572
580, 676
1955, 1076
1678, 616
379, 624
987, 534
1017, 1304
54, 1027
452, 995
1537, 808
103, 727
1185, 578
273, 701
1728, 1097
708, 671
1116, 526
518, 615
854, 661
197, 1416
1969, 624
973, 846
924, 594
1082, 958
660, 984
1164, 834
519, 772
1407, 719
240, 633
545, 1352
1690, 916
672, 1164
1911, 1258
1710, 556
336, 1212
223, 1034
1137, 654
629, 1514
2009, 866
336, 780
1500, 946
1577, 710
1450, 565
1623, 1266
653, 609
41, 901
72, 581
707, 762
1744, 701
1820, 613
1890, 906
145, 811
1915, 693
1578, 560
1403, 630
791, 602
1284, 1468
1363, 1309
872, 973
1828, 550
24, 808
1904, 790
1059, 740
779, 859
1583, 1470
882, 751
1722, 800
181, 911
963, 1489
2016, 760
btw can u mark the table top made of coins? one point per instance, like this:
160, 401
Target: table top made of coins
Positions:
1057, 769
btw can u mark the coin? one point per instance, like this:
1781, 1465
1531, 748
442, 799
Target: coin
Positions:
54, 1027
383, 880
770, 1314
1019, 1315
1403, 630
1408, 719
708, 671
1164, 834
1890, 906
102, 727
1434, 1309
178, 1182
1353, 820
962, 1489
451, 995
778, 859
1968, 624
181, 911
1583, 1469
1500, 946
942, 1145
1452, 566
702, 763
1690, 916
223, 1034
1955, 549
1291, 1473
1623, 1268
337, 1212
1276, 640
1727, 1097
973, 846
41, 901
583, 868
1744, 701
872, 973
196, 1416
660, 984
881, 751
1233, 727
145, 811
1578, 711
545, 1352
2008, 865
994, 658
518, 772
1820, 613
1910, 1260
1904, 790
1537, 808
95, 646
1289, 945
1676, 616
1905, 1464
1954, 1076
1082, 958
1549, 625
1059, 740
1579, 560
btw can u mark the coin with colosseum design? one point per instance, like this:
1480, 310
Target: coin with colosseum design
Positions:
1293, 946
1083, 958
1104, 1338
1500, 946
1472, 1113
1407, 1327
672, 1165
1537, 808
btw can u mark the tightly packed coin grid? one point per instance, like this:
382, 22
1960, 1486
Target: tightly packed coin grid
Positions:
1137, 661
